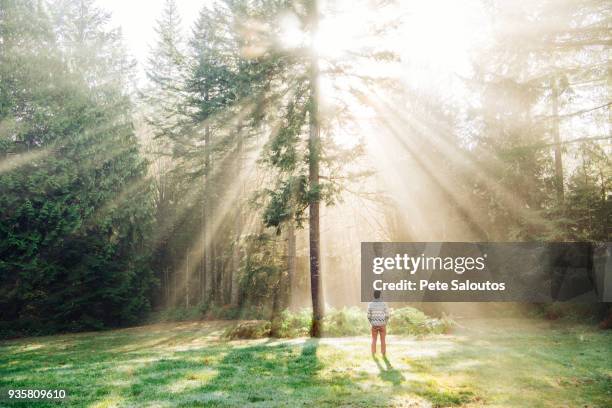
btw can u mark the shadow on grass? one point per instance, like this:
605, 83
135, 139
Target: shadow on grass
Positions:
265, 375
388, 373
221, 374
185, 368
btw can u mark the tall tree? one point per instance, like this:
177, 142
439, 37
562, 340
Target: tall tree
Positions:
75, 215
314, 153
207, 85
164, 99
297, 150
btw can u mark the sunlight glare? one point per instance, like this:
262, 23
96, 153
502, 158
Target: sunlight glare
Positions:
342, 30
291, 35
438, 36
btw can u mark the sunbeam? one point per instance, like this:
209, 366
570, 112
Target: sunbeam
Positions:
245, 174
14, 161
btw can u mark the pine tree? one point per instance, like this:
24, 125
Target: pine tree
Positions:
527, 96
297, 151
75, 216
163, 102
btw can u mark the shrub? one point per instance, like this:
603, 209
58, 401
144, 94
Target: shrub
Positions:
345, 322
350, 321
353, 322
294, 324
411, 321
252, 329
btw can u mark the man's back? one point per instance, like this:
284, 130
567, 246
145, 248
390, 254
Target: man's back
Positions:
378, 313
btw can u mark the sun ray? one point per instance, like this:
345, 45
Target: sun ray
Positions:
398, 122
14, 161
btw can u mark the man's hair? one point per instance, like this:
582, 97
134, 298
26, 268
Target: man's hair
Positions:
377, 294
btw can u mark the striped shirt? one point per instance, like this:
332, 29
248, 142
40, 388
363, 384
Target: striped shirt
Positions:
378, 313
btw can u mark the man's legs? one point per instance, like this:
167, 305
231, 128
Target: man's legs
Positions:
374, 335
383, 345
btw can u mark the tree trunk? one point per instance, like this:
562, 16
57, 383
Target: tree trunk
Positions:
212, 291
174, 292
217, 256
557, 143
237, 228
276, 307
275, 318
202, 265
167, 287
235, 260
233, 289
187, 283
314, 147
207, 238
291, 252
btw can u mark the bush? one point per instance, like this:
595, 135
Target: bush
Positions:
353, 322
345, 322
411, 321
350, 321
294, 324
252, 329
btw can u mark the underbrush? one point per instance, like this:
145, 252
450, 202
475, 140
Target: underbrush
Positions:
341, 323
205, 311
252, 329
411, 321
570, 312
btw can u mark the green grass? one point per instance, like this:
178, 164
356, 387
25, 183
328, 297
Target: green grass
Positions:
503, 362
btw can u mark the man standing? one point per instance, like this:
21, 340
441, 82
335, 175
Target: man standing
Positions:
378, 315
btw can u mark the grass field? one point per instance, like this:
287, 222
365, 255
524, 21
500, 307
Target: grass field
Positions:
497, 363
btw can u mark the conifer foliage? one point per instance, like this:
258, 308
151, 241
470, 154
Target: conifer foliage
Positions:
75, 209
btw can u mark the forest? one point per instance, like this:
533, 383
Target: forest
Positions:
271, 137
183, 198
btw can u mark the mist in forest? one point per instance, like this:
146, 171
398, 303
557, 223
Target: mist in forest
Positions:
235, 166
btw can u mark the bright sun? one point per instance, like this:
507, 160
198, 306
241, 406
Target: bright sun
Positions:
432, 38
436, 35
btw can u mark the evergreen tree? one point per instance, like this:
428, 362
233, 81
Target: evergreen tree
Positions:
163, 100
301, 144
76, 209
530, 86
